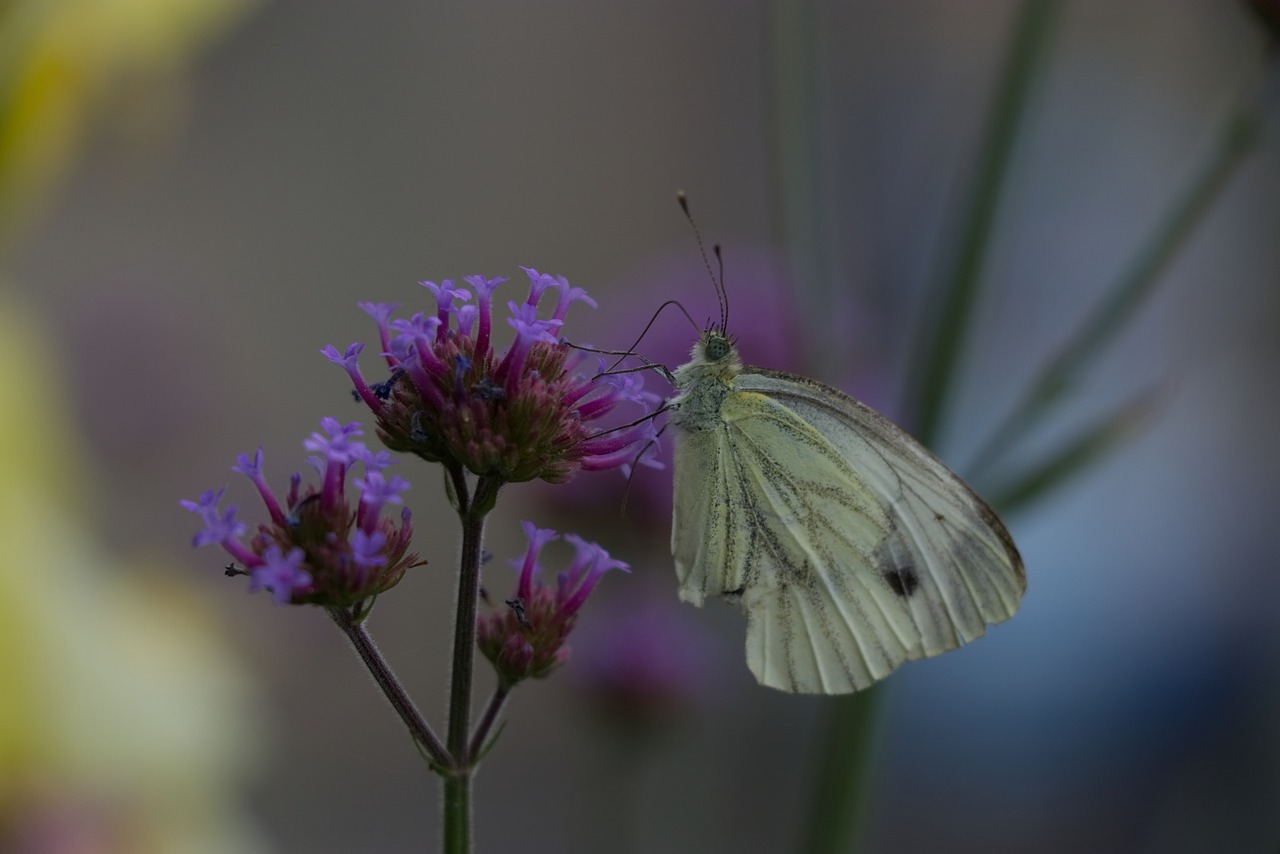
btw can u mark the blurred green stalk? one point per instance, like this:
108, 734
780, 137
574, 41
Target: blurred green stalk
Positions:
846, 745
846, 742
1237, 137
943, 345
795, 124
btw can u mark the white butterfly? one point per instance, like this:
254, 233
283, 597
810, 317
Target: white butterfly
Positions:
850, 546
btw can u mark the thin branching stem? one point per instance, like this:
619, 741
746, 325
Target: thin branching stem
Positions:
369, 653
487, 720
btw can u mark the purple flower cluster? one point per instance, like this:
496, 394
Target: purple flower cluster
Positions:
315, 549
530, 412
527, 638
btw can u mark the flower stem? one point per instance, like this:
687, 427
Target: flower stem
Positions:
464, 637
421, 731
487, 720
457, 813
457, 784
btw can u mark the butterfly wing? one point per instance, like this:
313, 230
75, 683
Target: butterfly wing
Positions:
710, 528
945, 554
767, 513
851, 547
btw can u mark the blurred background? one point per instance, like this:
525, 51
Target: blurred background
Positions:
196, 194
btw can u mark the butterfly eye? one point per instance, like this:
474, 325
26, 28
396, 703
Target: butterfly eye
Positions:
717, 348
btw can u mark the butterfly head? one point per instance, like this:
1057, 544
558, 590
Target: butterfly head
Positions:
716, 345
704, 380
714, 356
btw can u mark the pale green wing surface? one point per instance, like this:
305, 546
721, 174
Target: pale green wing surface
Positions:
768, 513
945, 554
708, 524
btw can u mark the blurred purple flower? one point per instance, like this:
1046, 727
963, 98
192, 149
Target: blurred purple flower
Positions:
644, 658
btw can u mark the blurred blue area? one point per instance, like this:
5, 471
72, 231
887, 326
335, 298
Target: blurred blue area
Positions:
341, 152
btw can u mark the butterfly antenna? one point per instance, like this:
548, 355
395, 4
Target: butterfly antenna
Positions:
631, 351
724, 294
718, 282
648, 416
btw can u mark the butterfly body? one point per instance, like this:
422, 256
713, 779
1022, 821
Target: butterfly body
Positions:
850, 547
703, 383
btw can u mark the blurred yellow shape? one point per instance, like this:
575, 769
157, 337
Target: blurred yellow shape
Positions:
123, 715
125, 720
63, 62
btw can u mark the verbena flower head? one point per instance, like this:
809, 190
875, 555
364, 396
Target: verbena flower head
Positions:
537, 410
315, 548
526, 639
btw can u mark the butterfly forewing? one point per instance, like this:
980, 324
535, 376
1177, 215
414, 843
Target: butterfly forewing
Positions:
949, 556
960, 542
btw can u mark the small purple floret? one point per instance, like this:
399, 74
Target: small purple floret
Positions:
568, 296
588, 566
538, 283
379, 489
366, 548
375, 460
281, 574
218, 527
537, 537
338, 446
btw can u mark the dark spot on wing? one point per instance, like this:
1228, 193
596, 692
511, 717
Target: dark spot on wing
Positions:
896, 564
903, 580
736, 592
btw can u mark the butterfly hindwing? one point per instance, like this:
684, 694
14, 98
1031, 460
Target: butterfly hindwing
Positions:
708, 500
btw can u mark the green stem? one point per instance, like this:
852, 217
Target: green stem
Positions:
457, 813
464, 638
837, 808
940, 357
457, 784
